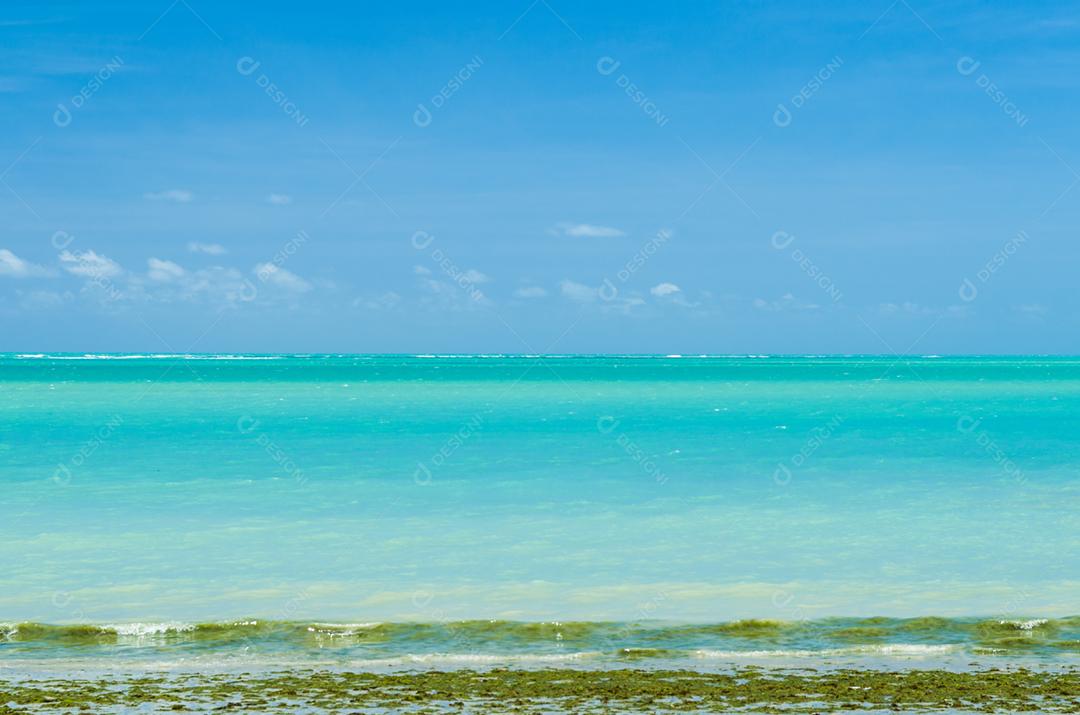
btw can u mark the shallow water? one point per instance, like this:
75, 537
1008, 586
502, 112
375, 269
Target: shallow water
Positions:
393, 489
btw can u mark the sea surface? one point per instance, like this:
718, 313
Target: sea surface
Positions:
434, 509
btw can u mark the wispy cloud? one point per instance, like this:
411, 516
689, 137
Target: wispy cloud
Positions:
12, 84
385, 301
474, 276
180, 196
785, 303
578, 291
89, 264
587, 230
42, 299
164, 271
278, 276
910, 308
28, 23
168, 282
210, 249
664, 289
1031, 309
15, 267
905, 308
279, 199
530, 292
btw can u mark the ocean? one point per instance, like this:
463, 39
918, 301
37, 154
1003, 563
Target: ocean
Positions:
393, 510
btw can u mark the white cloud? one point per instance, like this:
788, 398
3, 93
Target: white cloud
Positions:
530, 292
908, 308
167, 282
786, 302
386, 301
180, 196
607, 296
211, 249
460, 294
15, 267
279, 199
226, 283
587, 230
664, 289
277, 276
421, 270
474, 276
578, 291
164, 271
42, 300
89, 265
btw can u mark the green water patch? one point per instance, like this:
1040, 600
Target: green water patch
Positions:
860, 634
932, 626
750, 628
647, 653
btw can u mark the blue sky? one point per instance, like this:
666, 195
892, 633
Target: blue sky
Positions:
540, 176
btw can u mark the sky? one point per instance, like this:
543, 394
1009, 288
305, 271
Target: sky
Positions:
540, 176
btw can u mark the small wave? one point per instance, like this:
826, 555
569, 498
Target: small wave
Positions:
341, 630
141, 630
751, 638
646, 653
893, 649
1028, 625
748, 628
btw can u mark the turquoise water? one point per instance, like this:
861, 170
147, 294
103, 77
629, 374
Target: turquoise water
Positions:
142, 495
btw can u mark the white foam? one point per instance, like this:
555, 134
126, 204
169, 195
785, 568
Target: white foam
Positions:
341, 630
140, 630
1029, 625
